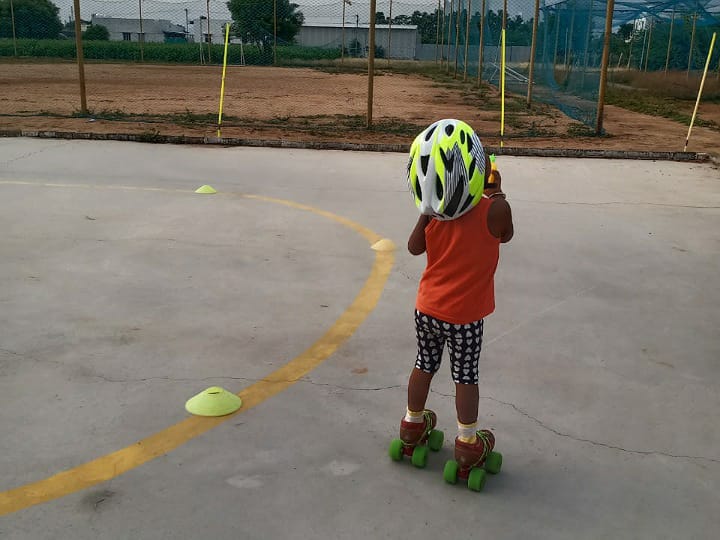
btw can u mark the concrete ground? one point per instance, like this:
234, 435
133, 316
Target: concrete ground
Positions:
599, 373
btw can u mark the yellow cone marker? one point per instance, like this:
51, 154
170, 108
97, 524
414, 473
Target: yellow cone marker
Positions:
384, 245
214, 401
207, 190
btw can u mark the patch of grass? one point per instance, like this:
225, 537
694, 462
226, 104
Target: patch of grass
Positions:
667, 107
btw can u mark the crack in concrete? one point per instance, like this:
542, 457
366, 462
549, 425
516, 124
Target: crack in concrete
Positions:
34, 153
581, 439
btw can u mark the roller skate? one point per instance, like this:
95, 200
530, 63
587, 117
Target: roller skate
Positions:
416, 439
473, 460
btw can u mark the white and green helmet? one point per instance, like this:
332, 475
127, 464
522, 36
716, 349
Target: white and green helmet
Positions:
446, 169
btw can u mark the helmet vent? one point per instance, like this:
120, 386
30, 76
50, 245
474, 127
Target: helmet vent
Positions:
470, 144
449, 129
462, 137
466, 203
430, 133
447, 162
418, 191
438, 187
424, 160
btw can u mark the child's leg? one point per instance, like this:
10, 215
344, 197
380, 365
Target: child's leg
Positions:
464, 347
430, 344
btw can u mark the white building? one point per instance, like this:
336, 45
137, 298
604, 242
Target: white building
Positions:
403, 39
153, 30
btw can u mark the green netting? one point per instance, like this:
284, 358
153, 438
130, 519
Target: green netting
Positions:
670, 35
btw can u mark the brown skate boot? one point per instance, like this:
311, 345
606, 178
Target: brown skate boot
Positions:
416, 438
472, 460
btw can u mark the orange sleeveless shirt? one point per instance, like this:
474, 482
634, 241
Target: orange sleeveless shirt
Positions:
458, 285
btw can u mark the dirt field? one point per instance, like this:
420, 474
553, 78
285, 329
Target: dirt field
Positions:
300, 104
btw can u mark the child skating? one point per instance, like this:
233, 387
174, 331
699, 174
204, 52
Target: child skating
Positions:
464, 219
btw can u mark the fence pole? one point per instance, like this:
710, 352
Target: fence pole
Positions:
533, 48
387, 53
274, 32
80, 58
467, 39
647, 56
604, 66
371, 63
702, 84
12, 18
642, 52
667, 58
692, 44
442, 34
141, 35
209, 32
587, 42
481, 46
457, 38
557, 37
437, 32
570, 37
449, 25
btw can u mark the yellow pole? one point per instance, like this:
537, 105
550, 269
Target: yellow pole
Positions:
502, 92
222, 84
702, 84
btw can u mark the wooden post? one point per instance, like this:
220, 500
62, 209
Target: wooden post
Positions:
587, 42
667, 58
342, 39
437, 32
80, 58
481, 46
604, 66
141, 35
457, 38
570, 37
387, 53
557, 37
371, 63
692, 44
12, 19
442, 34
467, 39
647, 55
209, 32
533, 48
274, 32
449, 25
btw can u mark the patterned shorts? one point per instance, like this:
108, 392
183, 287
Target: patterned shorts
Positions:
464, 343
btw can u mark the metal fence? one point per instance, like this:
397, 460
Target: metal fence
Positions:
556, 54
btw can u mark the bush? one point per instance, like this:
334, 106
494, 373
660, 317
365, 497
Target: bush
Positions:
96, 32
181, 53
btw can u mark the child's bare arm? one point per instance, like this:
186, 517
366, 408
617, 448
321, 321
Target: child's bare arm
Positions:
416, 243
500, 219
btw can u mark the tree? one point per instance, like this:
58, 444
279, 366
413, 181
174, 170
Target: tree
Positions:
253, 21
35, 19
380, 18
96, 32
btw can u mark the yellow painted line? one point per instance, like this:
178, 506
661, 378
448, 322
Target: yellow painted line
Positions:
111, 465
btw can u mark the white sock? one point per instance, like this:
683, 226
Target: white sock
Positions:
415, 417
467, 432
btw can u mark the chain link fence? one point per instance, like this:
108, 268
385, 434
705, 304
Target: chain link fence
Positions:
132, 45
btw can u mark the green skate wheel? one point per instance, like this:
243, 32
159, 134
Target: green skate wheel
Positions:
435, 440
450, 473
493, 463
419, 456
396, 450
476, 479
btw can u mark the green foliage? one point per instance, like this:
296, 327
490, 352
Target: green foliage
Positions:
36, 19
253, 21
182, 53
96, 32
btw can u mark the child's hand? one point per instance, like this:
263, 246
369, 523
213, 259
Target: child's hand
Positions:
494, 180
